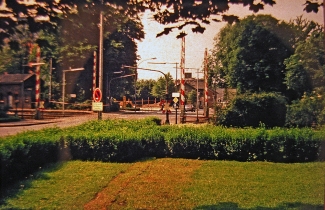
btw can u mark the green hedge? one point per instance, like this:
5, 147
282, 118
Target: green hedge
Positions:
125, 141
253, 109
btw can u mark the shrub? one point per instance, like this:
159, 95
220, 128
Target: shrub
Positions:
306, 112
22, 154
253, 109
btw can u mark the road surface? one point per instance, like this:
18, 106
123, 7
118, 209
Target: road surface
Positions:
29, 124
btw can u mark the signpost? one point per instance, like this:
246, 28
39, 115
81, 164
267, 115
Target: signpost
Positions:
97, 95
175, 95
97, 105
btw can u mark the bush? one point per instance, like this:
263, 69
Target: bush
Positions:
253, 109
22, 154
306, 112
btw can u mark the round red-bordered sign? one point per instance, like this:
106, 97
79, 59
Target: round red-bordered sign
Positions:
97, 95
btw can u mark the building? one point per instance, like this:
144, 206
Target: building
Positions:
17, 90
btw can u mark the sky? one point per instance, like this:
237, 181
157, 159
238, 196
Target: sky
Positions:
167, 48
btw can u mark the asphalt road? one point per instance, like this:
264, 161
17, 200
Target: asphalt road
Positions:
30, 124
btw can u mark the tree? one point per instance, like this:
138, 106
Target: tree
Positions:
305, 70
159, 88
79, 38
249, 54
192, 96
144, 88
182, 12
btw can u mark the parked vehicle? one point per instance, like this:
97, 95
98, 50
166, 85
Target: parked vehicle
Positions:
189, 107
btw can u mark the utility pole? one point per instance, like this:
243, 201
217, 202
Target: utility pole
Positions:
50, 85
166, 78
63, 85
100, 69
135, 81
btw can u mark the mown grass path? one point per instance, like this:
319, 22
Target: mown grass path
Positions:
148, 185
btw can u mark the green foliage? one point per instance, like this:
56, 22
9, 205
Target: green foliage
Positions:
24, 153
144, 88
305, 70
128, 141
253, 109
192, 96
181, 12
307, 112
159, 88
249, 55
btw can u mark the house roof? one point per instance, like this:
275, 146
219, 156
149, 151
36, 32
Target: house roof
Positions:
193, 82
14, 78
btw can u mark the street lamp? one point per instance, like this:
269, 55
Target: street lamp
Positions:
63, 85
167, 113
163, 63
135, 81
109, 87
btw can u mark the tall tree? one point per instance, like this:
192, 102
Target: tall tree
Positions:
250, 54
80, 38
305, 69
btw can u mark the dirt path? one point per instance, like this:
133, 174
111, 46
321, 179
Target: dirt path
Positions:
156, 180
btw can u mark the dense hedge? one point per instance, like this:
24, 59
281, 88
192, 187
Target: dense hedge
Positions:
253, 109
124, 141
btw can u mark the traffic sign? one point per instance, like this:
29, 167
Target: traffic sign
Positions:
175, 94
97, 95
97, 106
175, 100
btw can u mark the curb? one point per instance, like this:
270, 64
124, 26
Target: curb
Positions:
20, 123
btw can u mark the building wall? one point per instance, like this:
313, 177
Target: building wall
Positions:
12, 94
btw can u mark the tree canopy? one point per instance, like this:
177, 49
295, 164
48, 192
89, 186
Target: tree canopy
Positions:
159, 88
305, 69
250, 54
45, 14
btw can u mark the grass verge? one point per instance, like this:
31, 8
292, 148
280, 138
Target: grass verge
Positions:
172, 184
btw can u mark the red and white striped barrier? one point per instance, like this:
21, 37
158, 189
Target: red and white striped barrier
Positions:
182, 102
94, 71
37, 73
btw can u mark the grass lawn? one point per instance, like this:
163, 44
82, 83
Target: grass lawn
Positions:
171, 184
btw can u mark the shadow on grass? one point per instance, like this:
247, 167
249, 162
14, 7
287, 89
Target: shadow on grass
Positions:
14, 190
234, 206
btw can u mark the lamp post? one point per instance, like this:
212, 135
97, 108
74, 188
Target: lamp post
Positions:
176, 63
107, 100
145, 69
63, 85
109, 86
163, 63
135, 81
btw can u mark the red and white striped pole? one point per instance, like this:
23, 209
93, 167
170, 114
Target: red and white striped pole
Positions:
37, 73
182, 90
94, 71
206, 93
